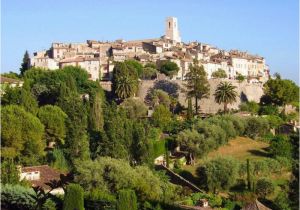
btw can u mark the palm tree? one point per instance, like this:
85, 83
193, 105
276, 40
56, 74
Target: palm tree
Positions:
124, 81
125, 87
225, 93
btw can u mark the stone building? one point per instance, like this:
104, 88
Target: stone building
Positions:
98, 57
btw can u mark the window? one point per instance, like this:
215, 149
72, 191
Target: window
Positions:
169, 24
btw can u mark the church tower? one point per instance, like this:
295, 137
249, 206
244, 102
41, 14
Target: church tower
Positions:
172, 31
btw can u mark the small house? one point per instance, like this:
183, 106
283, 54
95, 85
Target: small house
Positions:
39, 176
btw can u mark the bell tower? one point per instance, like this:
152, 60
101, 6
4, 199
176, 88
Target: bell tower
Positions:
172, 31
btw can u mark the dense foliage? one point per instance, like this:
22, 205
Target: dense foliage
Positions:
108, 141
197, 85
74, 197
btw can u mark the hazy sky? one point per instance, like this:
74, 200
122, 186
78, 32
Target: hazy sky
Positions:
269, 28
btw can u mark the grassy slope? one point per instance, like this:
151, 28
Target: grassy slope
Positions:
240, 148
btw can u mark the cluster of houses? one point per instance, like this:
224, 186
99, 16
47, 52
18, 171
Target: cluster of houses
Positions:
98, 57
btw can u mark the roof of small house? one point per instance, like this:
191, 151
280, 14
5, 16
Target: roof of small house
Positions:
255, 206
47, 174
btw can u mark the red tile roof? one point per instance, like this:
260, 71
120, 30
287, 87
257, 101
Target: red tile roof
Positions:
47, 174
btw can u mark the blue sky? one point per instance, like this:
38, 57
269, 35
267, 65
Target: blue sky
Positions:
269, 28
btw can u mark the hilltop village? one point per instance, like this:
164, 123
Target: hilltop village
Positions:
98, 57
154, 124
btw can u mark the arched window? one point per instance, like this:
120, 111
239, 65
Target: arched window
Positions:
169, 24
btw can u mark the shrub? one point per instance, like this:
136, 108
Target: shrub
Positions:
49, 205
238, 123
219, 173
256, 126
225, 124
74, 197
282, 201
58, 160
134, 108
97, 199
268, 110
214, 134
149, 73
285, 163
281, 146
274, 121
250, 106
9, 172
213, 200
126, 200
264, 187
17, 197
161, 117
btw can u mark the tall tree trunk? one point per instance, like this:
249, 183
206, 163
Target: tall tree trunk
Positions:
192, 159
196, 105
225, 107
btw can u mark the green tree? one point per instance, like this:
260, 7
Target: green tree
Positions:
26, 63
274, 121
240, 77
141, 147
54, 120
17, 197
281, 146
197, 85
264, 187
134, 108
256, 126
250, 106
136, 66
22, 97
219, 173
76, 143
116, 138
189, 109
127, 200
226, 94
281, 92
124, 81
113, 175
57, 160
268, 110
151, 65
220, 73
149, 73
161, 117
96, 118
9, 172
169, 68
73, 198
192, 142
23, 133
157, 96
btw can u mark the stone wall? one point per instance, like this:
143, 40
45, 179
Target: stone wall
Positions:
246, 91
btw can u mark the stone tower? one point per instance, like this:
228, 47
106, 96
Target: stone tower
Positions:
172, 31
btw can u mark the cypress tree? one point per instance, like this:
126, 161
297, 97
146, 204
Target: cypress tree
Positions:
26, 63
190, 109
248, 175
127, 200
74, 198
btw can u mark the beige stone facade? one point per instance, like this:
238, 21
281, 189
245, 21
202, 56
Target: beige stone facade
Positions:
97, 57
